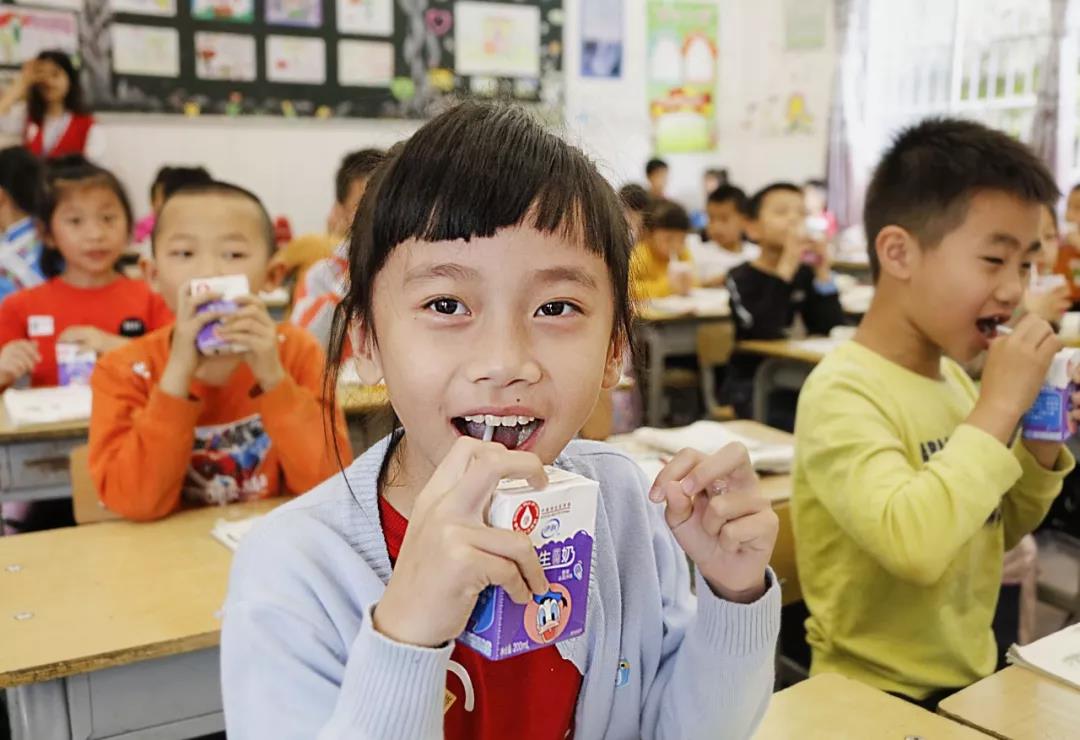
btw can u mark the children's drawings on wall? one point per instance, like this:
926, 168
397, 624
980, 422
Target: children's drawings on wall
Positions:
225, 56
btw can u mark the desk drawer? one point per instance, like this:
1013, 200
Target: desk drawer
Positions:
36, 464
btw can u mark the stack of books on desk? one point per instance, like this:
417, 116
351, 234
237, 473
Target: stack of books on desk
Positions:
1056, 656
710, 436
29, 406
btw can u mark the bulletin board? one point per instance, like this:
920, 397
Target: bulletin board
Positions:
321, 58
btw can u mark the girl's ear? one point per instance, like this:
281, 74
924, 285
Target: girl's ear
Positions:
613, 364
365, 353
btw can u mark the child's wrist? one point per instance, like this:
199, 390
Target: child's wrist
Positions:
995, 418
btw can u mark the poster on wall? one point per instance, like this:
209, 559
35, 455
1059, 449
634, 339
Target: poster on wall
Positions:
300, 13
295, 59
602, 38
497, 39
225, 56
365, 63
24, 33
164, 8
75, 5
366, 17
145, 50
237, 11
681, 76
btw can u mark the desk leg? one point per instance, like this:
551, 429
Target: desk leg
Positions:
39, 711
775, 373
657, 355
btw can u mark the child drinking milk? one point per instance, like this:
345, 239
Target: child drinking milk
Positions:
489, 291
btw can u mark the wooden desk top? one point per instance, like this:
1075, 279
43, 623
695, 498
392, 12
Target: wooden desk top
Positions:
1017, 704
356, 400
40, 432
781, 348
84, 598
832, 707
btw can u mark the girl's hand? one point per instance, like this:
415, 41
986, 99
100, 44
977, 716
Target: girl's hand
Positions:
720, 519
252, 328
449, 555
18, 358
91, 338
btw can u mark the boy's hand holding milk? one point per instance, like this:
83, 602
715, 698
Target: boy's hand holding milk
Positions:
218, 317
494, 517
1029, 376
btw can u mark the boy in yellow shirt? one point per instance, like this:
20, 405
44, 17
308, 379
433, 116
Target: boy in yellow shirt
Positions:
663, 242
909, 481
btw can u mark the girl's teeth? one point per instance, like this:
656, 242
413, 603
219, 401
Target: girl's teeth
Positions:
500, 421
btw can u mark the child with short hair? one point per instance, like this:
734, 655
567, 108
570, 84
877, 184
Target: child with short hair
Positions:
167, 181
22, 190
909, 481
656, 173
499, 292
724, 247
85, 301
661, 264
319, 289
636, 201
1045, 297
218, 428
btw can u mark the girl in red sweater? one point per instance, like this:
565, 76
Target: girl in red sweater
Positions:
57, 121
54, 331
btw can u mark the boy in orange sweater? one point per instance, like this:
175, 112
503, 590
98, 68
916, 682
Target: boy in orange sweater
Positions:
171, 426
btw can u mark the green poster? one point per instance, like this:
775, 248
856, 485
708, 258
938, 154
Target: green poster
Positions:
681, 77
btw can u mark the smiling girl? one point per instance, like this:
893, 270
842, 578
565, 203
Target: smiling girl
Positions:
489, 279
57, 123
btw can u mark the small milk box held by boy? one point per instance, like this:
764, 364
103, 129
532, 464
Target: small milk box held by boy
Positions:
560, 520
1048, 418
229, 288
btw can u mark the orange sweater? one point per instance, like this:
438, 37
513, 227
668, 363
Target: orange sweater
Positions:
151, 453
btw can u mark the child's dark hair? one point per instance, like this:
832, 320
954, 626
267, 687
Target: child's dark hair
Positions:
729, 194
65, 175
468, 173
666, 214
925, 181
73, 101
171, 179
635, 197
757, 200
217, 187
357, 165
654, 165
22, 177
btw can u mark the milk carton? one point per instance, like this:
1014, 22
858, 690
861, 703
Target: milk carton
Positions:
229, 287
560, 520
74, 364
1048, 418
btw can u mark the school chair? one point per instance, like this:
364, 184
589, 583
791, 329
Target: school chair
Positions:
715, 345
84, 498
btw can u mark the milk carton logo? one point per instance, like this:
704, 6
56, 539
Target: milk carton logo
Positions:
550, 529
526, 517
547, 615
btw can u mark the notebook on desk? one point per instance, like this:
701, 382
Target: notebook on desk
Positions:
710, 436
700, 302
30, 406
1056, 656
230, 533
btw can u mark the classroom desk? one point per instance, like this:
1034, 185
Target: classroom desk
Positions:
776, 487
34, 459
832, 707
858, 268
787, 364
1017, 704
667, 335
113, 628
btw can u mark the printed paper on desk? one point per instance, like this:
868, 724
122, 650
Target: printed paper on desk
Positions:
30, 406
1056, 656
710, 436
700, 302
230, 533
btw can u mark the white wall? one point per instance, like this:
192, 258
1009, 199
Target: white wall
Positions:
290, 162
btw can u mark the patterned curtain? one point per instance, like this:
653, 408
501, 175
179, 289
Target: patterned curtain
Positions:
845, 193
1044, 129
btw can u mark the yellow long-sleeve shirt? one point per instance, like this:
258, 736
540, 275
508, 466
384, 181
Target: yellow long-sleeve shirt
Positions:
901, 514
649, 273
